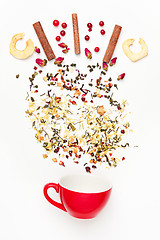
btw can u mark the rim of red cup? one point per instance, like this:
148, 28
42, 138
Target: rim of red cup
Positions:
102, 183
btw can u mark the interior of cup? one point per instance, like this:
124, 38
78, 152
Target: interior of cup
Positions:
85, 183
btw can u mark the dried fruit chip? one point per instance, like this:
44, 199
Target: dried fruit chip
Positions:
21, 54
135, 56
101, 110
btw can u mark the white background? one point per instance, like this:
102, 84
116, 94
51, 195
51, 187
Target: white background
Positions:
133, 210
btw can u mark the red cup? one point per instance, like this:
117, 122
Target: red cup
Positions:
82, 196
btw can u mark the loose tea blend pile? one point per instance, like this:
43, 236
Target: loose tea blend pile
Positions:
75, 116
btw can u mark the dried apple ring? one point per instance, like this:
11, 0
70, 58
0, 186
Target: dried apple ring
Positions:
21, 54
135, 56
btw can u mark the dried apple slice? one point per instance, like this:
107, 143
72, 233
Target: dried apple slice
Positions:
21, 54
135, 56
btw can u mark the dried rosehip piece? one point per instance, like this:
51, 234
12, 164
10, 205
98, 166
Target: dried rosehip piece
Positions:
110, 85
122, 131
56, 150
61, 163
88, 169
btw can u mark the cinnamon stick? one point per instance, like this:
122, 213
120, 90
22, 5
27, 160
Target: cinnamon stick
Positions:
76, 34
112, 44
44, 41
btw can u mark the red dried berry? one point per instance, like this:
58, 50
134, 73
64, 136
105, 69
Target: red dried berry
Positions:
56, 150
58, 38
87, 38
102, 32
61, 163
123, 158
63, 33
122, 131
88, 169
89, 25
110, 85
64, 25
101, 23
56, 23
70, 153
90, 29
96, 49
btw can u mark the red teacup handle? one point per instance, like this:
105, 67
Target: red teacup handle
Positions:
56, 187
